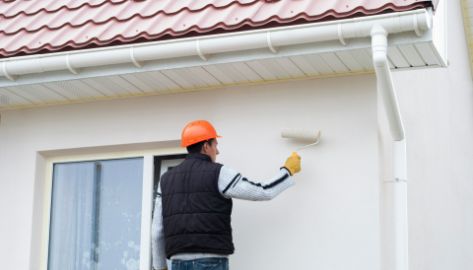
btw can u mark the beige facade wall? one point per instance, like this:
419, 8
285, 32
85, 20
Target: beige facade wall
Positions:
331, 212
437, 108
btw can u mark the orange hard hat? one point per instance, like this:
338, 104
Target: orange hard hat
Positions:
197, 131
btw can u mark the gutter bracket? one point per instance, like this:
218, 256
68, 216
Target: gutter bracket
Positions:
340, 35
133, 58
417, 28
270, 43
199, 50
69, 66
5, 72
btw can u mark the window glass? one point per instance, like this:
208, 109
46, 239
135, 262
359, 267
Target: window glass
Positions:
96, 215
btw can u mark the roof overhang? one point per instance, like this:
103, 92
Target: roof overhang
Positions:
336, 48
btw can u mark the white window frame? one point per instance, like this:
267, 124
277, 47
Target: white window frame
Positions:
147, 195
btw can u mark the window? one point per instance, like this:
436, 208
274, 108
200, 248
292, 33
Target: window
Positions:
100, 211
162, 165
96, 215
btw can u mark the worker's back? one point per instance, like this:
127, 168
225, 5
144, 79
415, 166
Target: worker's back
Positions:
196, 217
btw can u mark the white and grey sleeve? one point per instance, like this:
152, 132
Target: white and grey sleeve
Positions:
234, 185
157, 235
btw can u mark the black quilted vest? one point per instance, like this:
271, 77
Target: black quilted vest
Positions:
196, 217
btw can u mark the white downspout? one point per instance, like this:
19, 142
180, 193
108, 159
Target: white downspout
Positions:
393, 197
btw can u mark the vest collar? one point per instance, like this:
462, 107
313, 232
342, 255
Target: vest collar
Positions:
198, 156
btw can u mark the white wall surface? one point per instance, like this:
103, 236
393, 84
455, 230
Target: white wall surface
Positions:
327, 221
437, 107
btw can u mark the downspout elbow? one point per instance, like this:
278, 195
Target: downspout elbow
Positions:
385, 83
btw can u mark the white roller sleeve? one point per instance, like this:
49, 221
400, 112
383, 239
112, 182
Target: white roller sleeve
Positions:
300, 134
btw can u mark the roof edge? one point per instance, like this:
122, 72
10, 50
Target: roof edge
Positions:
244, 25
418, 21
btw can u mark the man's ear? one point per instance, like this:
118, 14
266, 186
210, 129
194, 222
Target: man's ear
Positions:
205, 147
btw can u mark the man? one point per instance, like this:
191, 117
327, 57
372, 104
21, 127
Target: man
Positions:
192, 213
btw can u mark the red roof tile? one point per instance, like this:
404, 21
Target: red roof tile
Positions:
29, 27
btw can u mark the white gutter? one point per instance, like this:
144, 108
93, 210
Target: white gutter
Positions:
205, 47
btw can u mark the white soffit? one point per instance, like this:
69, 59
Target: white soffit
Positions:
197, 72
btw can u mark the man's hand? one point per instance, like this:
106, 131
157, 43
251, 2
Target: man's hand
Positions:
293, 163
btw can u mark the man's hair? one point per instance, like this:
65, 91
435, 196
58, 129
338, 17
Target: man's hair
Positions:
197, 147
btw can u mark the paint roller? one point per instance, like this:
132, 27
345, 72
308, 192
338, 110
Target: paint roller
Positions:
310, 137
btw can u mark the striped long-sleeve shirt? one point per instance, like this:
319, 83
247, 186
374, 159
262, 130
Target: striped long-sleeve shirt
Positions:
231, 184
